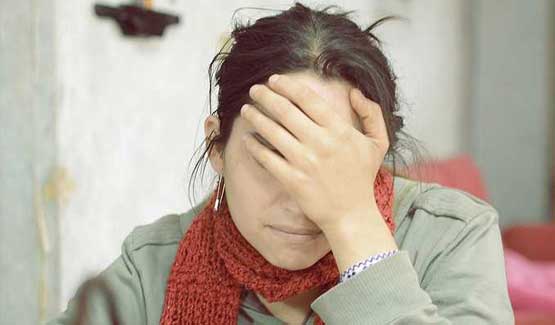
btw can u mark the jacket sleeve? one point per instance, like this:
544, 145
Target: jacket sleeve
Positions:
122, 294
464, 284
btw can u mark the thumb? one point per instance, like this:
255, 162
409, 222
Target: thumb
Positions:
370, 113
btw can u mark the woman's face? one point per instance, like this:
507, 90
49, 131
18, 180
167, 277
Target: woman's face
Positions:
257, 201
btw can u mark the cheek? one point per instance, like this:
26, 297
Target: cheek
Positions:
252, 177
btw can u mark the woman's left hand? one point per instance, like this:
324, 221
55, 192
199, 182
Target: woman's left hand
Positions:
328, 165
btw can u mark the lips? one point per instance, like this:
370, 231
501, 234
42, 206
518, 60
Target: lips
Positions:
296, 231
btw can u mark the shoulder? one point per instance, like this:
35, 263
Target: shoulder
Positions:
454, 214
443, 203
454, 203
453, 241
164, 231
147, 255
434, 221
151, 248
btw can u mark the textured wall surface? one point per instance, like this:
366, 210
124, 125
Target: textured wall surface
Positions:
430, 53
512, 98
29, 271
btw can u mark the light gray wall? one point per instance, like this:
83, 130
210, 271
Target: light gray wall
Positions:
28, 233
511, 101
429, 52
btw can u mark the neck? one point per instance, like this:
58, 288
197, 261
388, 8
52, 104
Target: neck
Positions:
294, 309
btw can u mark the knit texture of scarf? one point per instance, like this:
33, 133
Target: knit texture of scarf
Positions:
214, 263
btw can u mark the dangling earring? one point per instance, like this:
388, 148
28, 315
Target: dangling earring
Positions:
219, 196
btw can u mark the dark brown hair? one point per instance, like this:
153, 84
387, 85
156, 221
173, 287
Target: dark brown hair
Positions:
299, 39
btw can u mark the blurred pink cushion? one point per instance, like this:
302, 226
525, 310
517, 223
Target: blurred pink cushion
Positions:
531, 283
457, 172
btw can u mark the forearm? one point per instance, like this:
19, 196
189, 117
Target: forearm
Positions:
385, 293
464, 281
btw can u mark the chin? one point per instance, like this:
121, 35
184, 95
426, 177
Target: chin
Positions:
292, 262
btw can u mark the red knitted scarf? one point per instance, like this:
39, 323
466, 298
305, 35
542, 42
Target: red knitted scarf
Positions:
214, 263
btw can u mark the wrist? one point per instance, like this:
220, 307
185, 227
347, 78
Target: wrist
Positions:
360, 266
360, 221
359, 236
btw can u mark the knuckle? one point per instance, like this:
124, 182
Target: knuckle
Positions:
325, 145
343, 134
299, 180
307, 92
304, 93
252, 115
263, 93
384, 147
377, 109
282, 113
310, 161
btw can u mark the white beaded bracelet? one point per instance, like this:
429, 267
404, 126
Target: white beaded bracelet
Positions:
358, 267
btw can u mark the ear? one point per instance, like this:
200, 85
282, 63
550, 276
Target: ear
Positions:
211, 130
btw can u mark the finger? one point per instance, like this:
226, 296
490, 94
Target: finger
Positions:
276, 165
284, 112
371, 116
306, 99
273, 133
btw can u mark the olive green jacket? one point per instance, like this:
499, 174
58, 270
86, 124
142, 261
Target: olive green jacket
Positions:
449, 270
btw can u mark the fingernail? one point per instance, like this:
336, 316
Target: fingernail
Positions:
253, 90
274, 78
244, 108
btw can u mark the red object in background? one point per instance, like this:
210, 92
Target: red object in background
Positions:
459, 172
533, 318
536, 242
537, 256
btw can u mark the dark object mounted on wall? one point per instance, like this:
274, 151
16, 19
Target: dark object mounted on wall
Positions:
135, 20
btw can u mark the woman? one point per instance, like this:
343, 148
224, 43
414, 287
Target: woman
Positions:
306, 224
